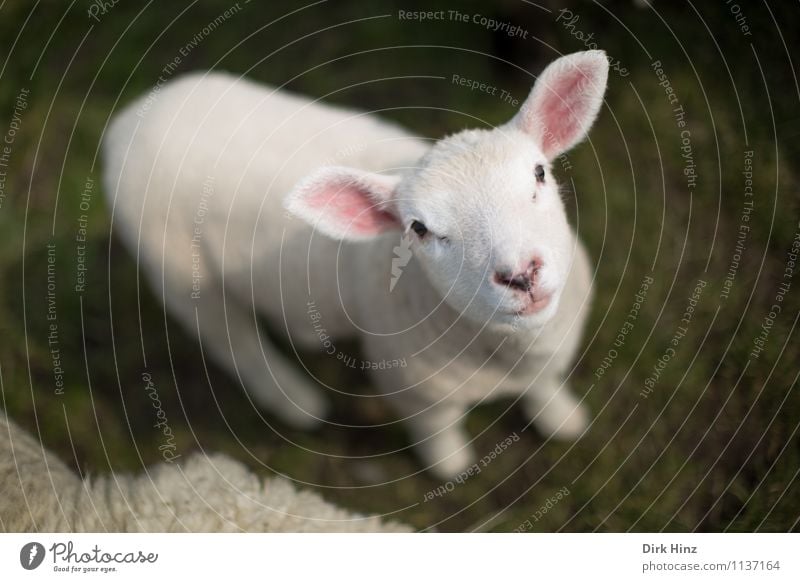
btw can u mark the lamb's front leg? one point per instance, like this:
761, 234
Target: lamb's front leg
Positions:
440, 439
553, 409
228, 332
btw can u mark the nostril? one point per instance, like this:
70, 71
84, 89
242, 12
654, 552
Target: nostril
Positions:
502, 277
533, 269
520, 282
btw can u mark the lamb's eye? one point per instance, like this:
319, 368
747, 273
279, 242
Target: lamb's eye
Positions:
539, 172
419, 228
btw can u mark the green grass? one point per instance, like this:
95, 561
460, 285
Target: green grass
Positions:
713, 448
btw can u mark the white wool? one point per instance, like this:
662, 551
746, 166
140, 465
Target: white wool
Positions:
492, 303
205, 494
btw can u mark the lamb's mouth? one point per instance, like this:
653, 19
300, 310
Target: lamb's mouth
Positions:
535, 303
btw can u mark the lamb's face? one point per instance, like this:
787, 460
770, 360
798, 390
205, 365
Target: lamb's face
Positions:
488, 226
484, 207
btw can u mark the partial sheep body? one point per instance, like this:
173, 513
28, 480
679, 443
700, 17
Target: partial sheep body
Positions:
491, 304
196, 180
205, 494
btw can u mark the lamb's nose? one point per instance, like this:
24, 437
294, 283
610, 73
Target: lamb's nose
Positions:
523, 281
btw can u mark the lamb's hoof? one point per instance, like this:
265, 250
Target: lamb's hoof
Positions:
306, 411
301, 419
563, 417
453, 465
446, 455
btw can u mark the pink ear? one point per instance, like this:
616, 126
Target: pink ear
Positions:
564, 101
345, 203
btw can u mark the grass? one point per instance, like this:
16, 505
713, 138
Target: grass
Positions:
714, 446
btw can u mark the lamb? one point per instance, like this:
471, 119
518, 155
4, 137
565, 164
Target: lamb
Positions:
452, 262
206, 494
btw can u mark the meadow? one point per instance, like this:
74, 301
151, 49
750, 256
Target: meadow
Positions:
686, 195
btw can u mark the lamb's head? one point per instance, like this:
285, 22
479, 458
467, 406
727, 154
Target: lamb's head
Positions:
482, 207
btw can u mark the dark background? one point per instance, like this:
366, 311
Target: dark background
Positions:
714, 447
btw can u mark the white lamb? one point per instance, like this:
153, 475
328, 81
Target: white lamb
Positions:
199, 175
204, 494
